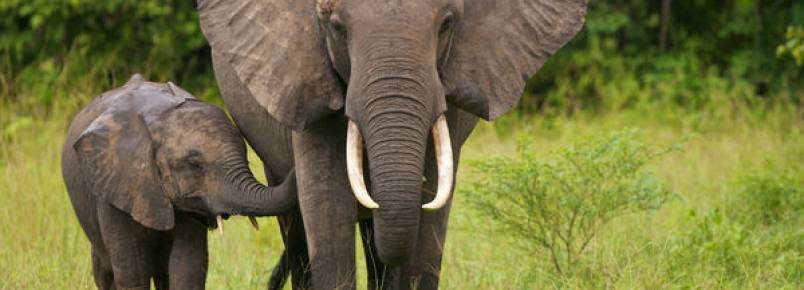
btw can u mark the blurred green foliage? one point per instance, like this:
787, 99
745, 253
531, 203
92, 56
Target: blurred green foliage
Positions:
47, 43
794, 46
715, 53
632, 53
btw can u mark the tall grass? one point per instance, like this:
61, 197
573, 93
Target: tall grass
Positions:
708, 237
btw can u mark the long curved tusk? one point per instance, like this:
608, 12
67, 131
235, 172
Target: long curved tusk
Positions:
354, 166
443, 150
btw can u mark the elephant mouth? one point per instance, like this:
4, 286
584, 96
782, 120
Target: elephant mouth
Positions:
205, 215
216, 222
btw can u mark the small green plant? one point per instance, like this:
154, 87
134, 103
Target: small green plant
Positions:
556, 205
793, 45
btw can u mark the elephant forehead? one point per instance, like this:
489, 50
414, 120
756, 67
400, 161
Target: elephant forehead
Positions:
325, 7
184, 142
385, 10
200, 130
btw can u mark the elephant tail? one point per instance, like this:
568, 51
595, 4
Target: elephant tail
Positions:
280, 274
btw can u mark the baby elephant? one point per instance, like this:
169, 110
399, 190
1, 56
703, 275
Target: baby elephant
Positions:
149, 169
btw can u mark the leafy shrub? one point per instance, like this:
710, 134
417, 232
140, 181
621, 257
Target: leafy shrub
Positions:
557, 205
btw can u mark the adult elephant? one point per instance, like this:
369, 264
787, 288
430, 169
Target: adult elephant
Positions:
329, 75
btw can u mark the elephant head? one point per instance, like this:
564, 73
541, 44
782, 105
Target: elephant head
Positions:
392, 66
156, 149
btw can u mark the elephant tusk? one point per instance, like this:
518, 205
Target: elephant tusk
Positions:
219, 219
354, 166
443, 150
254, 223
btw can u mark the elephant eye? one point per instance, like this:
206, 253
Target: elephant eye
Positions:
194, 162
446, 24
195, 165
337, 26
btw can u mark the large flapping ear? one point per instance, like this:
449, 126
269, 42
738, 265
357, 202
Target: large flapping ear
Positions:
499, 44
117, 155
277, 50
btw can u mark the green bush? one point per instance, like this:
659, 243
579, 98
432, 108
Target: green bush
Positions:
557, 204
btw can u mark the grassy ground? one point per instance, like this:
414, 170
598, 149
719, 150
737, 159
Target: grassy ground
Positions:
697, 240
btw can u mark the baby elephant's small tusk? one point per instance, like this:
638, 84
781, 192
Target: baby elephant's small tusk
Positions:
219, 219
254, 223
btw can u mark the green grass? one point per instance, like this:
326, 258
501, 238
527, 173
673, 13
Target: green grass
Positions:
698, 240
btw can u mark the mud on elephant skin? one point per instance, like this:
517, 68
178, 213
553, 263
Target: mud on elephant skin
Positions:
149, 169
404, 80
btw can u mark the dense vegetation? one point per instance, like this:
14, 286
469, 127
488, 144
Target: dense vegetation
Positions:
631, 52
722, 79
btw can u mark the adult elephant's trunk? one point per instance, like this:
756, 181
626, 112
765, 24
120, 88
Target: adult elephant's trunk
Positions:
244, 195
396, 121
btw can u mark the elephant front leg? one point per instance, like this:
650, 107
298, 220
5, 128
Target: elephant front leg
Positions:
327, 204
187, 266
294, 260
104, 279
129, 246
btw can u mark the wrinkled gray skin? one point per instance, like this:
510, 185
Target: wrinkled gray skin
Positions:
148, 167
301, 68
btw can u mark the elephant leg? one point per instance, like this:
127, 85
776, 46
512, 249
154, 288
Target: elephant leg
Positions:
128, 244
161, 275
272, 143
280, 273
326, 201
101, 270
375, 269
188, 262
161, 282
296, 260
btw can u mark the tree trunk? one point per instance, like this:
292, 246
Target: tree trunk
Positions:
665, 24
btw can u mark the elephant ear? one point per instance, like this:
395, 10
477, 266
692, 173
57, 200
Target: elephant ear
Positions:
499, 44
278, 52
117, 156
